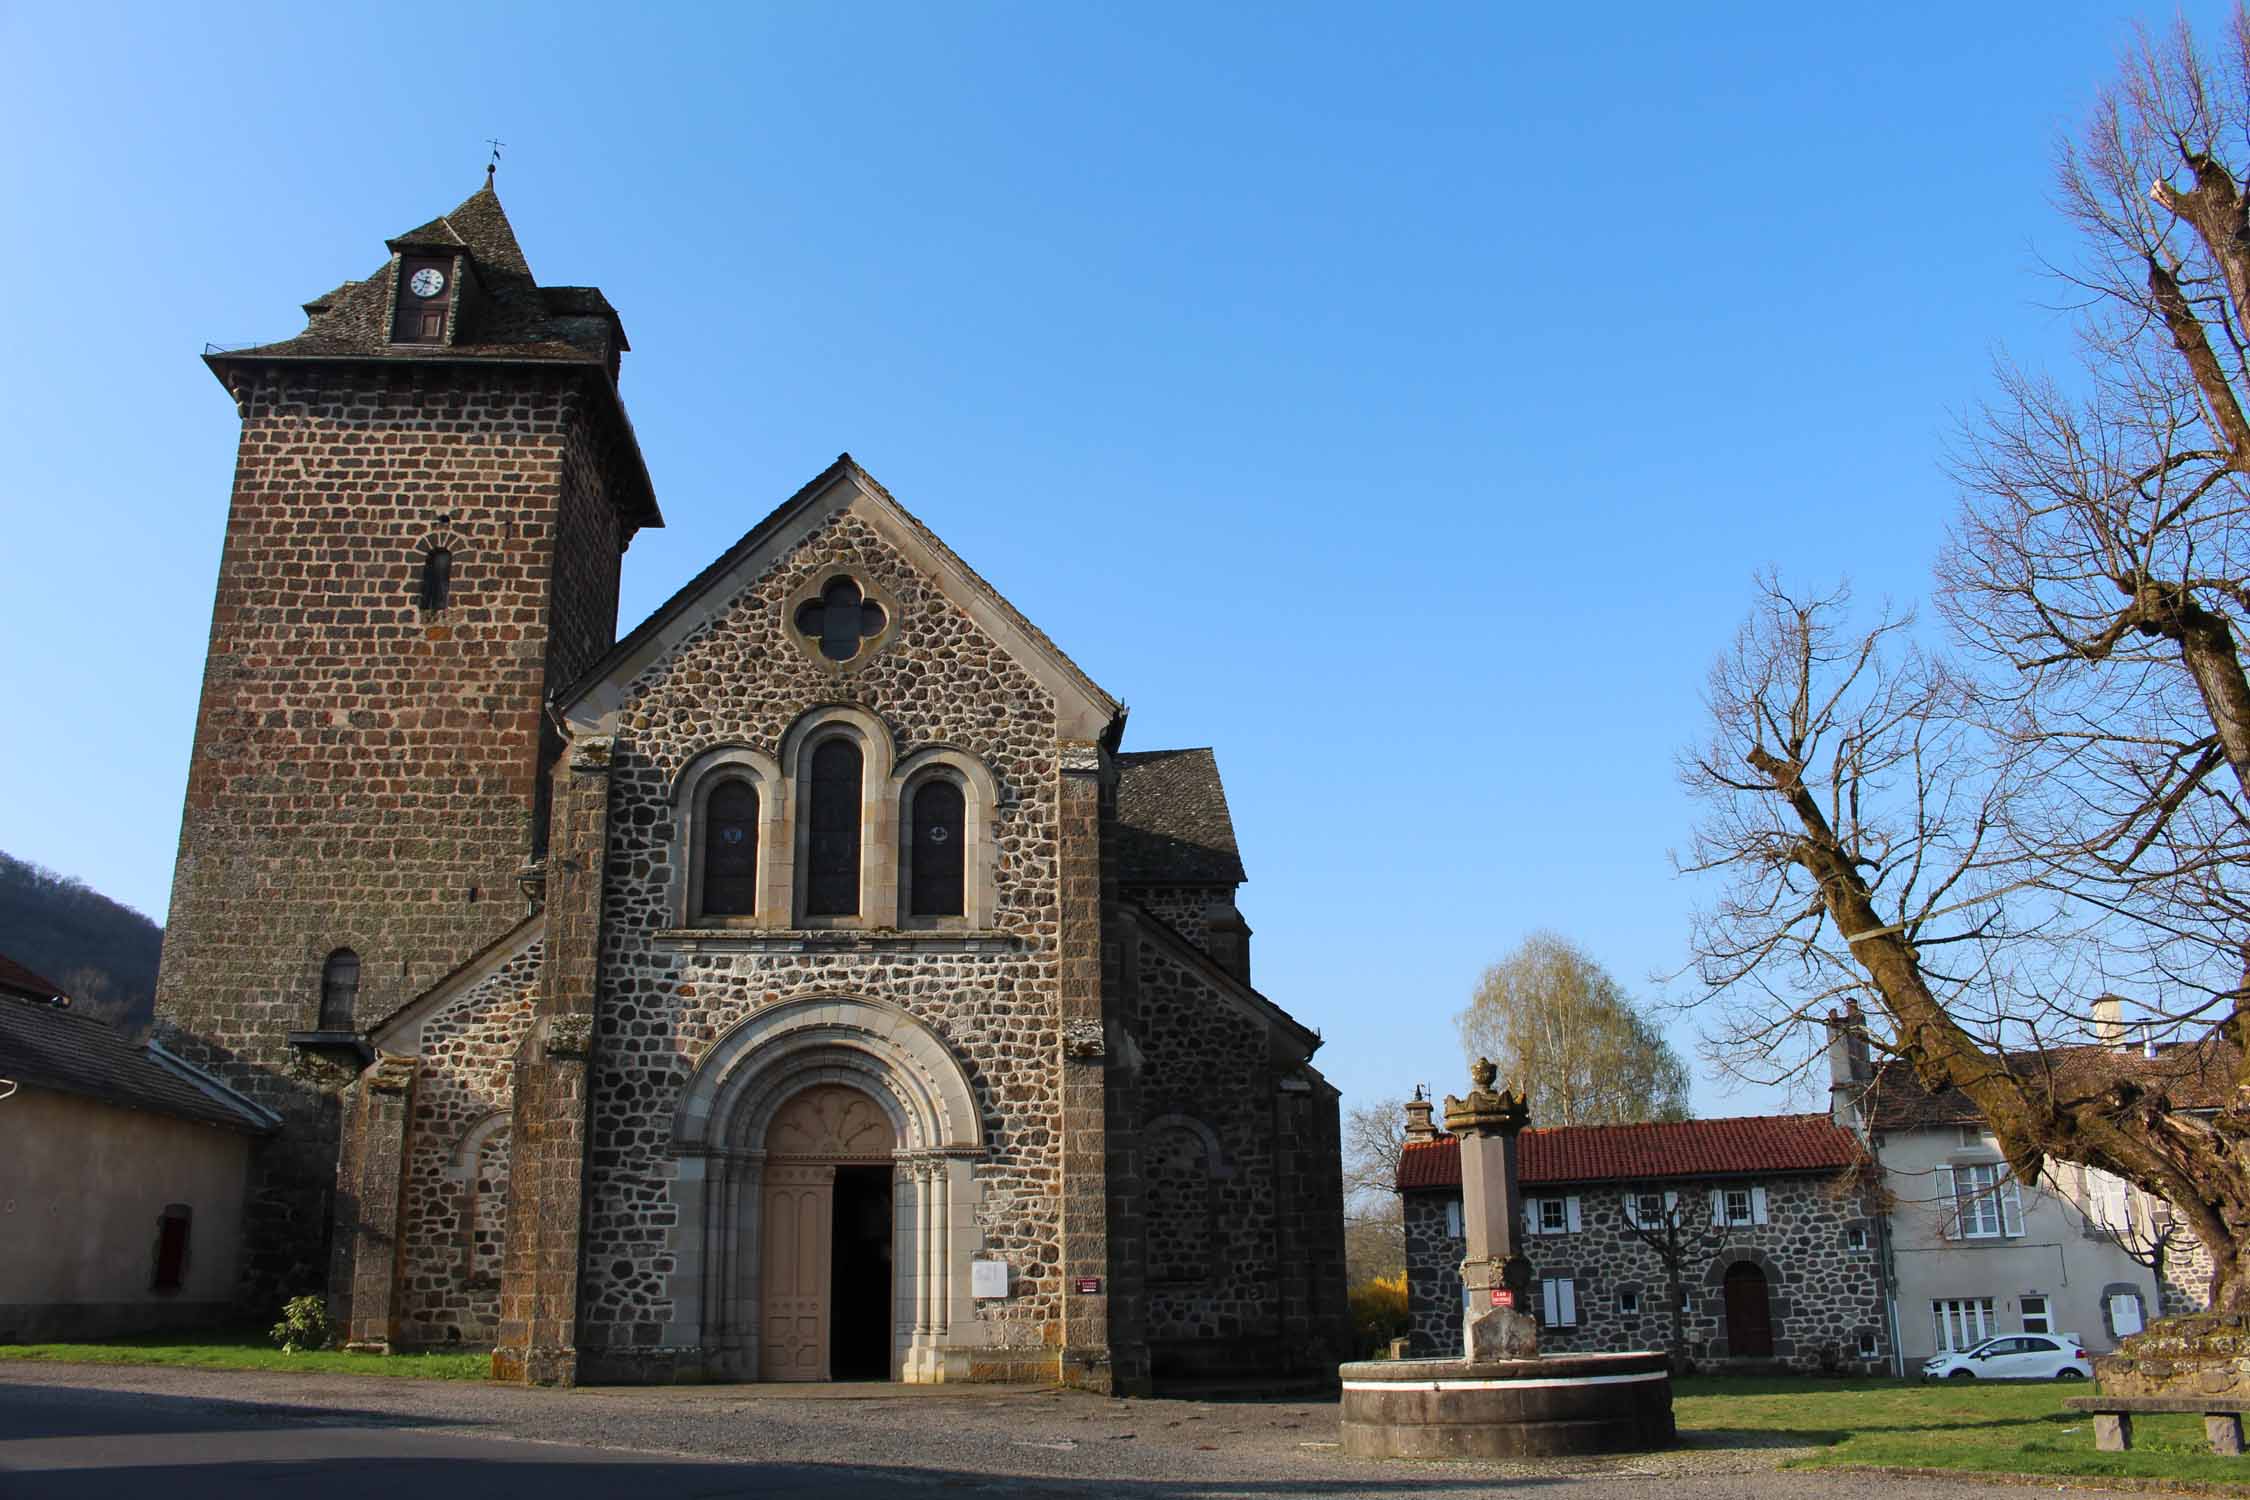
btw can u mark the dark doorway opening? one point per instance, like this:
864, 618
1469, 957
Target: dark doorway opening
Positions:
859, 1286
1749, 1316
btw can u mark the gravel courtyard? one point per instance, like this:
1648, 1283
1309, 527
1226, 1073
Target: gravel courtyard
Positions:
81, 1430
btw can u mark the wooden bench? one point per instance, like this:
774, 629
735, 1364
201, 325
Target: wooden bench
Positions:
2113, 1418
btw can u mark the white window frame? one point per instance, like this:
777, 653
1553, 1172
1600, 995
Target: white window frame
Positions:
2041, 1320
1568, 1216
1723, 1213
1855, 1237
1980, 1201
1558, 1302
1628, 1303
1963, 1322
1453, 1221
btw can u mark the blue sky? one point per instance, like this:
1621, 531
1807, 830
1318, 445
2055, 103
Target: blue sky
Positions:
1398, 399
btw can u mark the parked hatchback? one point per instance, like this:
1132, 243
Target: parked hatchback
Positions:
2015, 1356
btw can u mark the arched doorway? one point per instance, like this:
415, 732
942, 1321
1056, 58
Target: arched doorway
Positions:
1749, 1313
827, 1251
826, 1196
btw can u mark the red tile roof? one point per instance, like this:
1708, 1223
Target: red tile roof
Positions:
1685, 1148
15, 979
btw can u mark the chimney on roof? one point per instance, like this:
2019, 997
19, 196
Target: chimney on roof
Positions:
2109, 1021
2148, 1044
1849, 1070
1418, 1126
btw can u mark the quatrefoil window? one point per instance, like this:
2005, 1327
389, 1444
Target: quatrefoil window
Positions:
841, 619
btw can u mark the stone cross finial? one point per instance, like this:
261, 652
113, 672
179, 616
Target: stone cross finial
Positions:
1499, 1324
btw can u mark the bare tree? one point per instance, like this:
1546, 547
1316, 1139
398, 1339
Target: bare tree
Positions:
1678, 1229
1567, 1035
1374, 1219
1865, 826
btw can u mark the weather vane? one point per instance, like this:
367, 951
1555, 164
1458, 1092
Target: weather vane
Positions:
493, 165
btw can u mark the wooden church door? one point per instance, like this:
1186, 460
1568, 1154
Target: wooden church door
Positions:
798, 1210
824, 1128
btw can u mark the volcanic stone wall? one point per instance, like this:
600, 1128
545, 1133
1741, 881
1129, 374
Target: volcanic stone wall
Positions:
365, 773
1207, 1095
1823, 1296
740, 681
456, 1189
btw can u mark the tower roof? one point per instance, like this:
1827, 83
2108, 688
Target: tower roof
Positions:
510, 317
480, 226
503, 316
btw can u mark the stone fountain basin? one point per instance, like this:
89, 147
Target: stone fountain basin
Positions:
1551, 1407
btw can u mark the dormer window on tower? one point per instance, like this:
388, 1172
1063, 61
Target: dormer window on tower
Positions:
425, 299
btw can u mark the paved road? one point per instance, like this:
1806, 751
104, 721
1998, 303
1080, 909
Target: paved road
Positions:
75, 1432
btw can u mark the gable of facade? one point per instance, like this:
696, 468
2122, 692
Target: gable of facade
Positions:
1765, 1228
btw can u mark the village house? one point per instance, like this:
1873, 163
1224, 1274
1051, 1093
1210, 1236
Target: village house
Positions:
1765, 1228
1972, 1252
121, 1178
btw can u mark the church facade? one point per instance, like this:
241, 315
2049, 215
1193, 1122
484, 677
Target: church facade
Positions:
807, 985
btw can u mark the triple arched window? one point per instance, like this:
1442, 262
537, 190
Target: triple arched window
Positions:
836, 832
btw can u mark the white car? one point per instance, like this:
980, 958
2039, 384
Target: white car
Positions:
2014, 1356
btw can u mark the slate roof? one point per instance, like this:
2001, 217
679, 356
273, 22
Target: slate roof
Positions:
45, 1046
1743, 1146
2196, 1075
1173, 827
508, 317
15, 979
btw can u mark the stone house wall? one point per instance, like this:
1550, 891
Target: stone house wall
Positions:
1825, 1298
365, 774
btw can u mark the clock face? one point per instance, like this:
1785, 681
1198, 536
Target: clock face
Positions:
427, 282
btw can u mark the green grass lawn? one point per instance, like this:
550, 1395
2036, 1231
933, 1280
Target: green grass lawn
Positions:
249, 1351
2008, 1427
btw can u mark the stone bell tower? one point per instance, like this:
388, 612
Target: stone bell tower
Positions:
435, 482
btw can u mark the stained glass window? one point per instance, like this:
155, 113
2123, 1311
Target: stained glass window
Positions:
832, 873
730, 850
937, 858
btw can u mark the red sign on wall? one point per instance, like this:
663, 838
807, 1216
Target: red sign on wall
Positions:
1502, 1297
1088, 1286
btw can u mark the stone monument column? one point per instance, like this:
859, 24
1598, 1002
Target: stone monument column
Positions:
1497, 1323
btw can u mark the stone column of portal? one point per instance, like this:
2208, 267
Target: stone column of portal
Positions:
925, 1214
941, 1306
1498, 1324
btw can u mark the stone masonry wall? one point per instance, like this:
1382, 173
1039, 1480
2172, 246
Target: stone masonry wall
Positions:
738, 681
1822, 1296
456, 1189
1210, 1218
363, 774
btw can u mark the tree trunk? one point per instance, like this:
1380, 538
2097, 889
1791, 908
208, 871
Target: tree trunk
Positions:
2201, 1168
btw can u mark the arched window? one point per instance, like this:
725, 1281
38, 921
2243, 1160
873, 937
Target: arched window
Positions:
936, 865
832, 845
730, 850
339, 990
437, 577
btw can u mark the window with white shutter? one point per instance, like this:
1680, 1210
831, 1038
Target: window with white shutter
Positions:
1453, 1219
1558, 1302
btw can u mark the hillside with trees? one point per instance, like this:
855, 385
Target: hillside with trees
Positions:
102, 953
